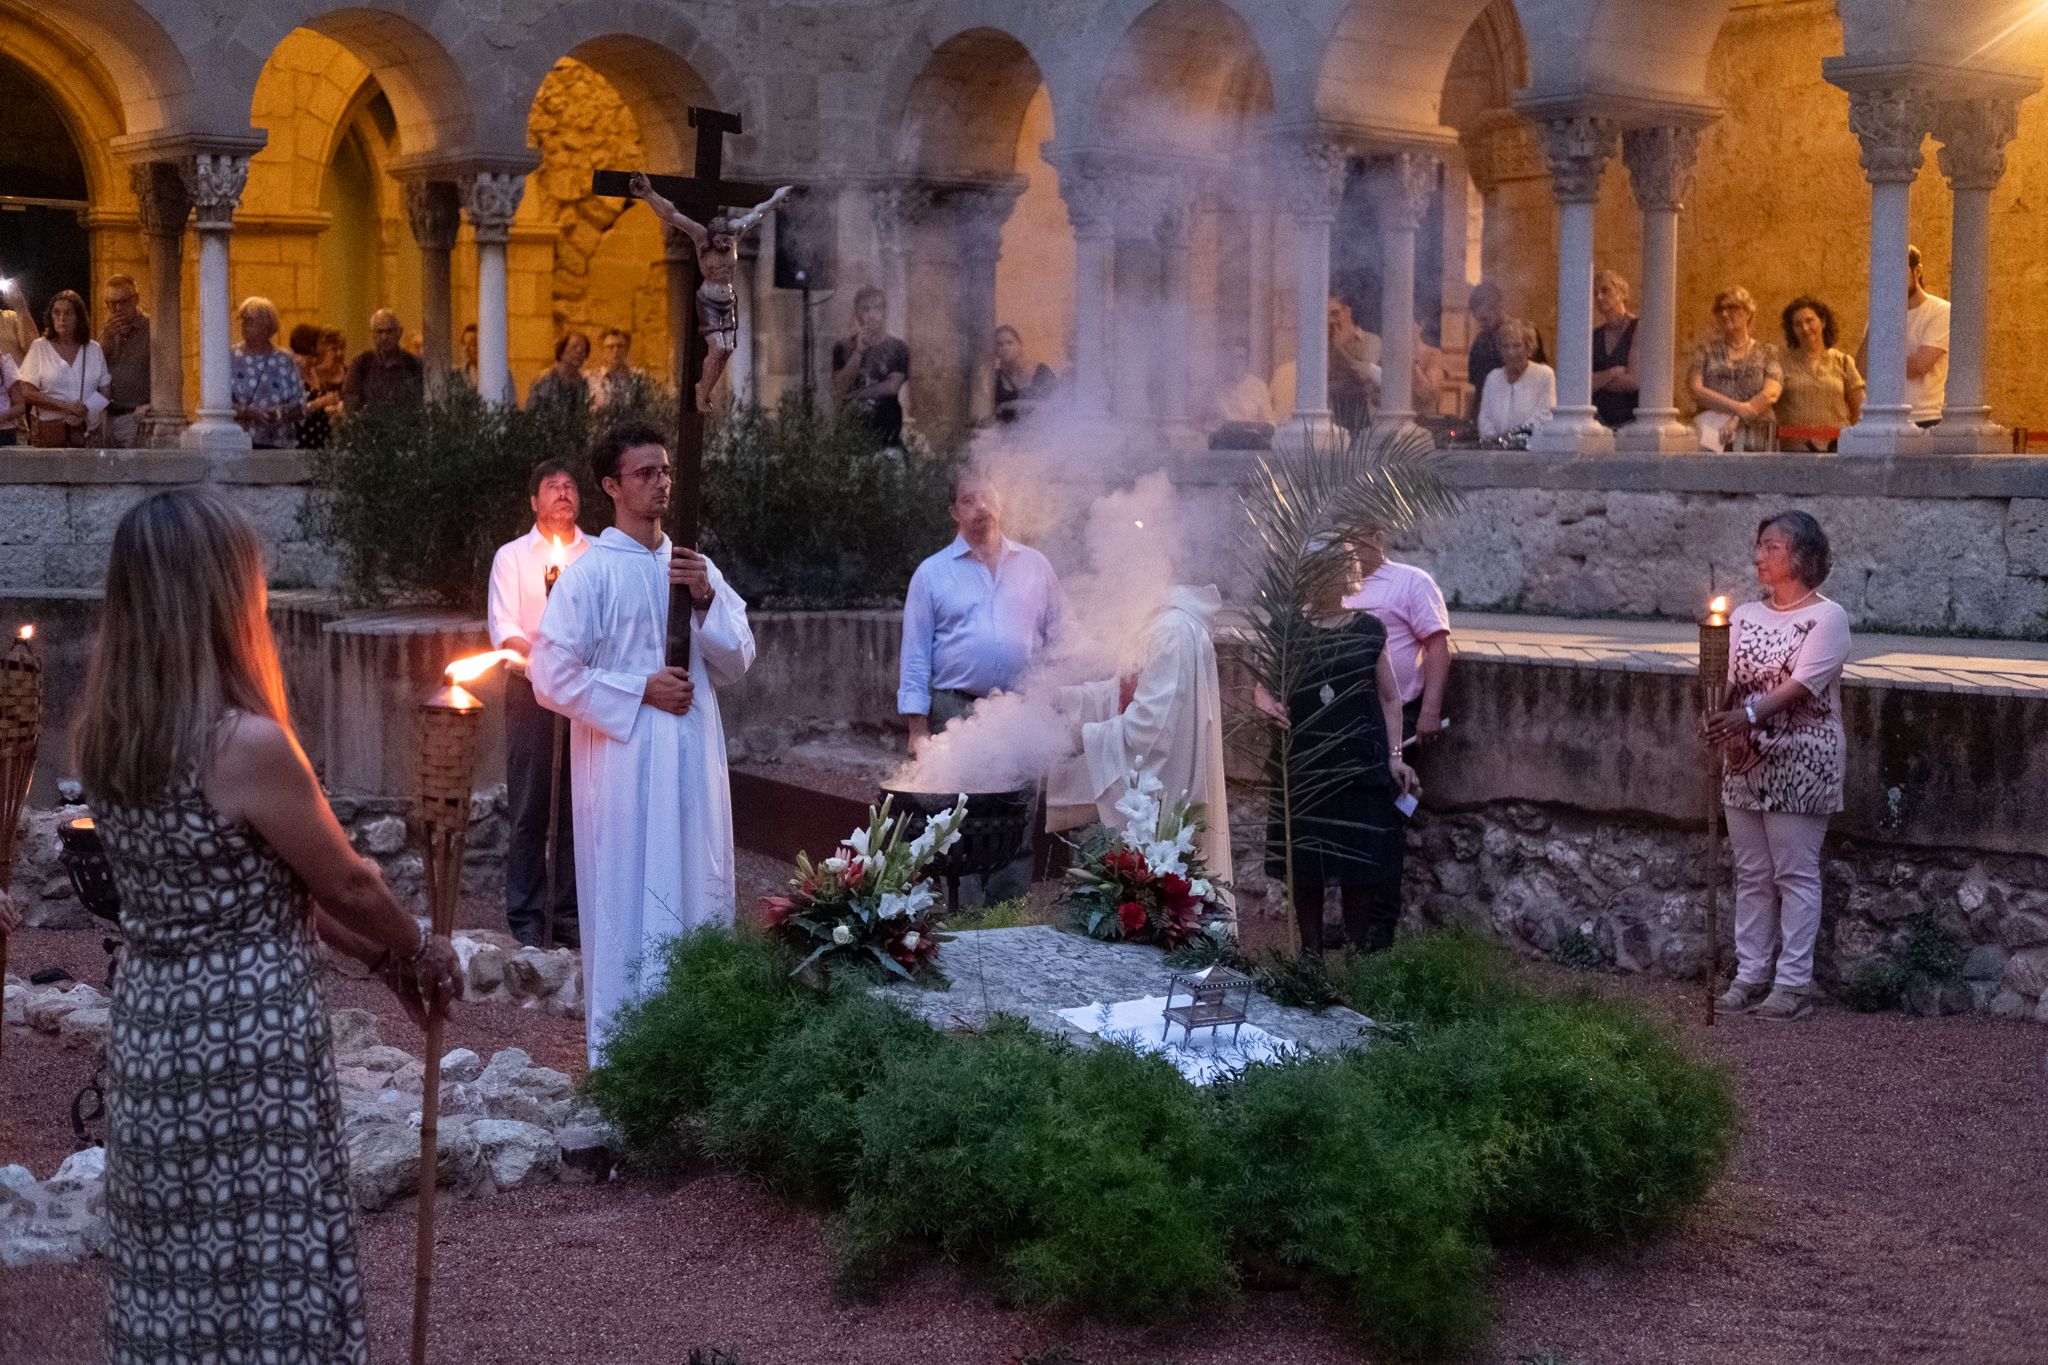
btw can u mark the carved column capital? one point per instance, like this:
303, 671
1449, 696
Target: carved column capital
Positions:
1576, 147
433, 209
898, 210
1312, 179
676, 245
1403, 184
1660, 165
979, 213
1973, 134
213, 183
161, 200
1890, 124
490, 200
1092, 197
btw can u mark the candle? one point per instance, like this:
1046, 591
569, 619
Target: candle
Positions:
556, 557
1714, 630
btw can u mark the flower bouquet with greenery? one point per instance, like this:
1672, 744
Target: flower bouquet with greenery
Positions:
1145, 883
868, 905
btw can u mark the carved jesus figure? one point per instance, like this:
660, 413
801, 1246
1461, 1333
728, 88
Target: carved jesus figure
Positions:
718, 258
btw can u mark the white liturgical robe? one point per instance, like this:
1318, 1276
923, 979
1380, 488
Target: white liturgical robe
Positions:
653, 808
1173, 728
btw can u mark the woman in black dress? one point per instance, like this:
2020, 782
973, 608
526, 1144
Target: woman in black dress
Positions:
1333, 805
1017, 389
1615, 389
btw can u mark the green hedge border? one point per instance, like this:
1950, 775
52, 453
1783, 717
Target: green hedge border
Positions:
1099, 1180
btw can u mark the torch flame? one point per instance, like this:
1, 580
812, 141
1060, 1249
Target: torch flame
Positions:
476, 665
1718, 605
25, 633
558, 555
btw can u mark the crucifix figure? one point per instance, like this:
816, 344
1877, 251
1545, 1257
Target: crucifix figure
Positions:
718, 257
702, 197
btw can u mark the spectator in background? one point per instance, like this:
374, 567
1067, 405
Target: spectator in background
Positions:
322, 358
11, 412
1735, 379
1786, 752
1240, 416
17, 322
469, 354
1354, 368
1823, 388
562, 383
1018, 389
870, 368
1927, 317
1615, 390
1520, 392
63, 379
1428, 375
387, 373
269, 396
1488, 310
617, 383
125, 339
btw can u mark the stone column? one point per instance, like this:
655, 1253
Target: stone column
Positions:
163, 206
978, 218
213, 182
1660, 167
679, 255
1890, 123
1403, 183
433, 208
1973, 135
1577, 147
490, 200
1174, 232
1314, 184
898, 209
1091, 201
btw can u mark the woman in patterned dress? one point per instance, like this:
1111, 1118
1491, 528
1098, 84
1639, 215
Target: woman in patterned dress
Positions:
1785, 749
232, 1230
269, 395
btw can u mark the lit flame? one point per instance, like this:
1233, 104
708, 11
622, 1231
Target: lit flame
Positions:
1718, 605
476, 665
559, 555
1139, 524
25, 633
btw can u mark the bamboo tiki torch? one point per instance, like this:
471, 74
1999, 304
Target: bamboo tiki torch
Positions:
561, 733
21, 729
451, 720
1714, 687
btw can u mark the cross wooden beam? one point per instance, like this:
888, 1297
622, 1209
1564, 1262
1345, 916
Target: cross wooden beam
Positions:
701, 196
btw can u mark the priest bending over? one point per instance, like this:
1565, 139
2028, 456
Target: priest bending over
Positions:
646, 750
1166, 720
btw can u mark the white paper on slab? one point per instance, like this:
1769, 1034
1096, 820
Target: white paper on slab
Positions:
1208, 1055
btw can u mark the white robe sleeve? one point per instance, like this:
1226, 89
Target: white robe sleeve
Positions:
563, 674
1151, 722
721, 635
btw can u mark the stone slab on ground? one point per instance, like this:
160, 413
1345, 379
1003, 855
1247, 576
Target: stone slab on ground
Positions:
1036, 971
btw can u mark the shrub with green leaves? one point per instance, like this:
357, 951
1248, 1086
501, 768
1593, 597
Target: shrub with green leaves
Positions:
1927, 949
1874, 985
1439, 978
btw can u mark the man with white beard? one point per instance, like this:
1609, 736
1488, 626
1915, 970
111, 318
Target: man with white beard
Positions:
1165, 720
647, 753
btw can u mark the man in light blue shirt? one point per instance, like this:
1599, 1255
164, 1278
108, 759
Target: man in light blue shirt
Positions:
977, 616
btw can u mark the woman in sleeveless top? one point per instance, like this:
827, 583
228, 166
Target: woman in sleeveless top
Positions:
1337, 819
1615, 389
232, 1231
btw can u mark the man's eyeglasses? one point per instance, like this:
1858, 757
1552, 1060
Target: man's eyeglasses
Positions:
653, 474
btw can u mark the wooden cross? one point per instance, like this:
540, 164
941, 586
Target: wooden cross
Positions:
701, 196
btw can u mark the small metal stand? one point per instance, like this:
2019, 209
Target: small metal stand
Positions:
1216, 995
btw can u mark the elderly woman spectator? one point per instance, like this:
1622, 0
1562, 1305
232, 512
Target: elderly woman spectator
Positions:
1823, 388
64, 379
269, 395
563, 382
1614, 351
1019, 386
1735, 378
1521, 393
231, 1230
1785, 751
325, 374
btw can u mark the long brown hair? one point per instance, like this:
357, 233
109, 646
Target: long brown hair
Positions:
184, 636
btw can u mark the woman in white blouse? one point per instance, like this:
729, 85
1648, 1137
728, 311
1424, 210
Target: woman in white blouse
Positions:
64, 377
1521, 393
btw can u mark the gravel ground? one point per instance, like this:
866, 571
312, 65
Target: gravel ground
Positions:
1887, 1205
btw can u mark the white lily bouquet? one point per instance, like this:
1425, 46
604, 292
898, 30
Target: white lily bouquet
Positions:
1147, 883
869, 904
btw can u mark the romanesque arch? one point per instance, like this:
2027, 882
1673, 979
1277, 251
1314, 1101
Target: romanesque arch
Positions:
1384, 64
1183, 75
149, 74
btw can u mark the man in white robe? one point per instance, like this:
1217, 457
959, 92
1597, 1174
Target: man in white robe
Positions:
1171, 727
646, 750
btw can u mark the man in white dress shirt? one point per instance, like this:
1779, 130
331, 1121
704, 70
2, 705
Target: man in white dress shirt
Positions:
653, 804
518, 593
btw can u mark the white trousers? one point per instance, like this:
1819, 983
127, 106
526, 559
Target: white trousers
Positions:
1777, 894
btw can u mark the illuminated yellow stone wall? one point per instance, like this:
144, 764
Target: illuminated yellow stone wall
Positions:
1034, 278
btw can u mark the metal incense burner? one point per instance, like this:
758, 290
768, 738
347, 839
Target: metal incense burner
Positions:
1216, 996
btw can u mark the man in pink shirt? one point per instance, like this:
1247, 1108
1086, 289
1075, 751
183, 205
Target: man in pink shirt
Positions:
1411, 606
